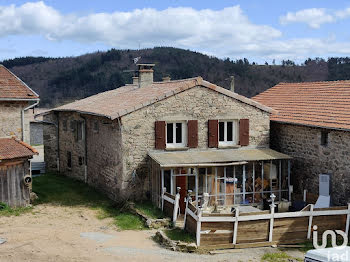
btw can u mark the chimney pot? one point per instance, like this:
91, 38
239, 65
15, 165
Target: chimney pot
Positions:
232, 85
166, 79
145, 74
135, 80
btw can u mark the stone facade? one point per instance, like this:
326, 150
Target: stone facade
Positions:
11, 120
117, 158
310, 158
95, 158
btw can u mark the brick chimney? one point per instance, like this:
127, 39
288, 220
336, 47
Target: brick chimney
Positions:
145, 74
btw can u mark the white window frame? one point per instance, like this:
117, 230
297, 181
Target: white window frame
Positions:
184, 135
235, 133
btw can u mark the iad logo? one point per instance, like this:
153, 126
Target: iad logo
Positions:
325, 236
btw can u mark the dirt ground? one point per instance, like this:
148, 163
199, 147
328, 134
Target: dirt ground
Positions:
51, 233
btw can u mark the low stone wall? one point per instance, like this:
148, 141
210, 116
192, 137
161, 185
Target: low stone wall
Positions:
162, 239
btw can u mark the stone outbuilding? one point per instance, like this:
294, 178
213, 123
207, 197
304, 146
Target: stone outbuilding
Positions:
16, 98
139, 138
313, 126
15, 176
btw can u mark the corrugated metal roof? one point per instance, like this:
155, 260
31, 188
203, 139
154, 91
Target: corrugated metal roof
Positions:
215, 156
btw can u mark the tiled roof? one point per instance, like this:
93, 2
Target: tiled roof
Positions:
11, 87
321, 104
126, 99
11, 148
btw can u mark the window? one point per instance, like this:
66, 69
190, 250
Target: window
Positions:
176, 134
228, 133
79, 131
96, 127
324, 138
69, 159
64, 125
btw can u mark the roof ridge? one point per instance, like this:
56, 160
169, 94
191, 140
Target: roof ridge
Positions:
26, 145
178, 80
314, 82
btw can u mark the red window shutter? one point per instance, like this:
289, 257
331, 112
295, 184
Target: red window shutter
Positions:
192, 131
213, 139
160, 134
244, 132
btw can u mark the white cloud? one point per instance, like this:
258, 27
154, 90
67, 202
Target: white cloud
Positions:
314, 17
225, 33
342, 14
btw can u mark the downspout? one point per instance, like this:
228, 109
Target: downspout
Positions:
22, 115
85, 148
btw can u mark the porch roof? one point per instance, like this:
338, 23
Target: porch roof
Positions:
197, 158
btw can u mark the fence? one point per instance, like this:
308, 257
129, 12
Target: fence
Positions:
263, 228
170, 204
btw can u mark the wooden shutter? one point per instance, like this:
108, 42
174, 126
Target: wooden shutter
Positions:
160, 134
192, 131
244, 132
213, 139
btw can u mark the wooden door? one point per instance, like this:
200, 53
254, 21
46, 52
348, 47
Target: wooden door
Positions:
181, 182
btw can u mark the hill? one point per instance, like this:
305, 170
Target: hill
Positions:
61, 80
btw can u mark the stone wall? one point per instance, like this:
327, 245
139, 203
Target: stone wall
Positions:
96, 159
311, 158
11, 120
197, 103
36, 133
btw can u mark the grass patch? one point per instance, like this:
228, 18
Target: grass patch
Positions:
149, 209
180, 234
63, 191
276, 257
7, 211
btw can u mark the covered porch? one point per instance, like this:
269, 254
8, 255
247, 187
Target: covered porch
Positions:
226, 178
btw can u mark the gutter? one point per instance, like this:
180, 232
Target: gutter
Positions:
22, 115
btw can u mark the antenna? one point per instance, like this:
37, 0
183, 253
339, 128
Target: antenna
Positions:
136, 59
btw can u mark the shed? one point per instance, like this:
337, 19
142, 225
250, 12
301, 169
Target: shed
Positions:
15, 175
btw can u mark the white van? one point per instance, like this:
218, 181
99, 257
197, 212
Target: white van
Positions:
339, 254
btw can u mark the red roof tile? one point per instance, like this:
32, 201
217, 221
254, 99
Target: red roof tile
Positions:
126, 99
322, 104
11, 87
11, 148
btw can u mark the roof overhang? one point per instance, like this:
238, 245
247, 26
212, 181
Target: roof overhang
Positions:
223, 157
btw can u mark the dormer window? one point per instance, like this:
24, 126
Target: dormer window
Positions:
176, 134
228, 133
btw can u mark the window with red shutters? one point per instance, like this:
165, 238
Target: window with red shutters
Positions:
213, 133
160, 134
192, 131
244, 132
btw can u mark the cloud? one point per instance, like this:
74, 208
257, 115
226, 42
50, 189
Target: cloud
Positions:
225, 33
342, 14
314, 17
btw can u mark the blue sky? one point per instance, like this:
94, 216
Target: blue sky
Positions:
258, 30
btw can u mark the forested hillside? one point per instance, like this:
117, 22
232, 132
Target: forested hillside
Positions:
61, 80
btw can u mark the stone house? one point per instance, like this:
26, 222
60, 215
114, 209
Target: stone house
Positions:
148, 135
313, 126
16, 98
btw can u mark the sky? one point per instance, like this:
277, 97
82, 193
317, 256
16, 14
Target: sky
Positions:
260, 30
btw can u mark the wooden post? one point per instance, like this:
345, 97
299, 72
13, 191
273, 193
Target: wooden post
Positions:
280, 180
235, 228
187, 201
347, 221
243, 184
171, 181
198, 232
176, 204
162, 186
289, 192
164, 190
262, 179
196, 182
253, 182
310, 221
272, 208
